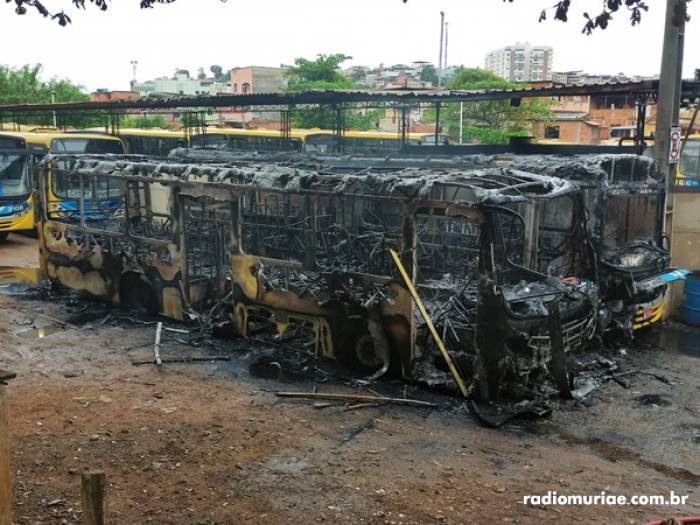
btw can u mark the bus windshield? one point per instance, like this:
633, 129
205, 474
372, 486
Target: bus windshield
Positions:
629, 219
66, 186
14, 176
76, 145
690, 159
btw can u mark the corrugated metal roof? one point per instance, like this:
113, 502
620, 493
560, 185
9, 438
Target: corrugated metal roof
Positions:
329, 97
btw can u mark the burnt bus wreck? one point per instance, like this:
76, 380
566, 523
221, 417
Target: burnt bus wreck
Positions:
624, 206
308, 254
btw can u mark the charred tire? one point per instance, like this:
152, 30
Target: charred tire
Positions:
136, 294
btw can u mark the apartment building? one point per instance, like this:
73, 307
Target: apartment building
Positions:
521, 62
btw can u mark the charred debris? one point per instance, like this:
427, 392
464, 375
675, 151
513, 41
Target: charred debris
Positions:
298, 248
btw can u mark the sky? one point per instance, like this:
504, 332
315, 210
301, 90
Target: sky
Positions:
97, 48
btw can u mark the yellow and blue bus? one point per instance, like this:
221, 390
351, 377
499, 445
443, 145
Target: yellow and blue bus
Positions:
64, 192
15, 186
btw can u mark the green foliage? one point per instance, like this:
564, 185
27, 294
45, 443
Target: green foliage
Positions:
24, 85
324, 118
429, 74
322, 73
144, 121
489, 122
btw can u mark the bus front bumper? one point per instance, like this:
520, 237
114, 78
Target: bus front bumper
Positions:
23, 221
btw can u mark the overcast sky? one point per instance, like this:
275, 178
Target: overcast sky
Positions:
97, 48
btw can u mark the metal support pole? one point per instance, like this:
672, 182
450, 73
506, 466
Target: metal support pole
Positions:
641, 121
5, 453
437, 122
403, 127
461, 122
286, 128
669, 89
339, 128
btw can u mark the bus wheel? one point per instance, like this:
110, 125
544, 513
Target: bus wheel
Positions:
3, 236
137, 295
372, 351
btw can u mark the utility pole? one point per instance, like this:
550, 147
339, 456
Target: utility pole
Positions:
444, 62
442, 37
134, 64
668, 104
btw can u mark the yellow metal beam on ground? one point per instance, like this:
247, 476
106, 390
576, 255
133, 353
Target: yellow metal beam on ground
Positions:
455, 373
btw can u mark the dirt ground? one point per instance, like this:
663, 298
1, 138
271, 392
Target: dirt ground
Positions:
207, 443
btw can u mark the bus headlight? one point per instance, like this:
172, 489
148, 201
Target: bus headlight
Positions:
20, 209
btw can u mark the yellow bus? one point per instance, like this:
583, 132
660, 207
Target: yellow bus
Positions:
314, 141
250, 139
15, 186
688, 174
20, 152
152, 141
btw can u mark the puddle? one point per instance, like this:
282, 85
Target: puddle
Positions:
40, 332
16, 281
680, 339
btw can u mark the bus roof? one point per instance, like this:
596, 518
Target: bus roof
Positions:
260, 132
299, 133
137, 132
45, 139
495, 185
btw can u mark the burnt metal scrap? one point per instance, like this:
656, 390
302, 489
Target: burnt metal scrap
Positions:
307, 252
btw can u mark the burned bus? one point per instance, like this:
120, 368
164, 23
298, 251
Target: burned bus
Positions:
624, 201
308, 254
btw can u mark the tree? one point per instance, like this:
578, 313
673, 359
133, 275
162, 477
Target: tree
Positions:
201, 74
489, 122
217, 71
24, 85
322, 73
22, 6
428, 74
561, 10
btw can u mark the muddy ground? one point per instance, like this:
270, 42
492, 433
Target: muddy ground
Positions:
207, 443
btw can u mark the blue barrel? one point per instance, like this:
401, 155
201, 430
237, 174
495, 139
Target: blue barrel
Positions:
690, 309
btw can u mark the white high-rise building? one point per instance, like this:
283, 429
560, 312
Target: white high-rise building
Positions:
521, 62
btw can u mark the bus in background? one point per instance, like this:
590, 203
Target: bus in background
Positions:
314, 141
264, 140
15, 186
364, 143
20, 152
64, 192
153, 141
688, 171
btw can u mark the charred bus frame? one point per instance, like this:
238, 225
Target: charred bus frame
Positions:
309, 253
